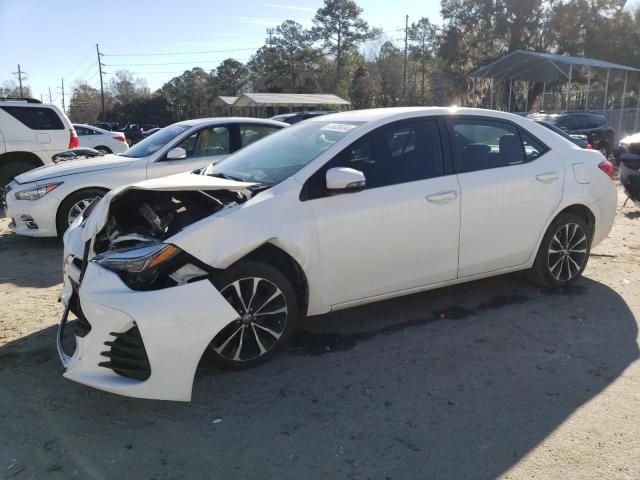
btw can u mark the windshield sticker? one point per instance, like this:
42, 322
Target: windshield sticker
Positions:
338, 127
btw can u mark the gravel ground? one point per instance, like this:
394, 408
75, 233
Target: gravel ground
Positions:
493, 379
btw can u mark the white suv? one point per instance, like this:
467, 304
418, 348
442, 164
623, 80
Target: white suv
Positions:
31, 132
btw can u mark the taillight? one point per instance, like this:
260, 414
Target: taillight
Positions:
119, 138
607, 167
73, 139
589, 146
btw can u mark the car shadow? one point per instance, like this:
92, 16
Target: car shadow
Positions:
460, 382
30, 262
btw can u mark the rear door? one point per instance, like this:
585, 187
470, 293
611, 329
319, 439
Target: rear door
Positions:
510, 184
206, 145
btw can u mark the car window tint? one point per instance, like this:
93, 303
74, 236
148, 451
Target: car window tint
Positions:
532, 148
396, 154
36, 118
207, 142
567, 122
251, 133
480, 144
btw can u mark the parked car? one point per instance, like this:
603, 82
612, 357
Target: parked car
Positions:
146, 133
581, 140
110, 126
628, 158
296, 117
31, 132
133, 133
594, 126
331, 213
45, 201
99, 139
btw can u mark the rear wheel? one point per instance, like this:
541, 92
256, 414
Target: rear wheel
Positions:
74, 205
267, 310
103, 149
563, 253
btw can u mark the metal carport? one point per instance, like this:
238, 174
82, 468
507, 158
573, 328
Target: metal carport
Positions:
546, 68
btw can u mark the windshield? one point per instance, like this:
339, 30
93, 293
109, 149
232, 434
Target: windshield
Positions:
155, 142
277, 157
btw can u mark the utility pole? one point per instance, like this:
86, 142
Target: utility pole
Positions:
50, 95
404, 74
63, 108
20, 74
104, 118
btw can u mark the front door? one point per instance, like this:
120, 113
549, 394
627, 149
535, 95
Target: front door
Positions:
398, 233
205, 146
511, 184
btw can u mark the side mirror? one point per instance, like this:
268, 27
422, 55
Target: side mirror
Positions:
342, 178
177, 154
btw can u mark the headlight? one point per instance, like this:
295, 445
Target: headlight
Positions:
154, 266
36, 193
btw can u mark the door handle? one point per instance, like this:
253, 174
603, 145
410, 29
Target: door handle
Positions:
443, 197
547, 177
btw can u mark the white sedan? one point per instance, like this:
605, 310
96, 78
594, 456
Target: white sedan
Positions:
99, 139
45, 201
337, 211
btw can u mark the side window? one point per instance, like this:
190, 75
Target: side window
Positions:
390, 155
207, 142
251, 133
532, 148
36, 118
480, 144
80, 131
568, 123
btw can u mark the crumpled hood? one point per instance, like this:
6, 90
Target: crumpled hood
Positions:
180, 182
72, 167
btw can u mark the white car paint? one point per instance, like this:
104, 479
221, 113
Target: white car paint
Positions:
354, 248
100, 139
107, 172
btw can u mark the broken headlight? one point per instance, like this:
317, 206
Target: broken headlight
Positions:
150, 267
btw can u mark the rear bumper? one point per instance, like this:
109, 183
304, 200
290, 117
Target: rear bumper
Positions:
175, 325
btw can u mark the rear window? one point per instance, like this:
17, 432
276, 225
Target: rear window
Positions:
36, 118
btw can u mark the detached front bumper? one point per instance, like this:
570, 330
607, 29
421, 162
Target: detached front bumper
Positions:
171, 327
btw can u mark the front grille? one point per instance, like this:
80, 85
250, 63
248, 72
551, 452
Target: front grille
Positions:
127, 355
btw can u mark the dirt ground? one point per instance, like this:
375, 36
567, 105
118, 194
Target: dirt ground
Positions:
493, 379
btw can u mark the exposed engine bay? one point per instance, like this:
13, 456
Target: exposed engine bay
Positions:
139, 216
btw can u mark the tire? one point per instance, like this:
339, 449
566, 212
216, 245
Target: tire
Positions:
79, 198
265, 325
560, 263
13, 168
105, 150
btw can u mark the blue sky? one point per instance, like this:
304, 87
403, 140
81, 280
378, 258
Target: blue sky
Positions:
55, 39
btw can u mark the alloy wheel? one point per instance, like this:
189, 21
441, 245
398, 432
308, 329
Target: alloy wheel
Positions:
262, 319
78, 208
567, 252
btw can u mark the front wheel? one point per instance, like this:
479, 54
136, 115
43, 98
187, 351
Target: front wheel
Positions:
74, 205
563, 253
267, 309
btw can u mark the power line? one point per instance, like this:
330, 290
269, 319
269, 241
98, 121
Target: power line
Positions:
191, 62
176, 53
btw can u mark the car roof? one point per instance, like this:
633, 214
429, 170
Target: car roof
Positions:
392, 113
217, 120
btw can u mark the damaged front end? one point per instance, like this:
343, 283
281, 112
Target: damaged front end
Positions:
131, 243
149, 308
